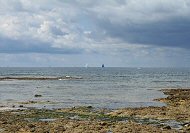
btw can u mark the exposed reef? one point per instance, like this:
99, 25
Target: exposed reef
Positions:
173, 118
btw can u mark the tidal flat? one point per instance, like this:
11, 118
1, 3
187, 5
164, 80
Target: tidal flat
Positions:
173, 118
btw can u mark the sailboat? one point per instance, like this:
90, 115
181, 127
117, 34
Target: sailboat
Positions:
86, 65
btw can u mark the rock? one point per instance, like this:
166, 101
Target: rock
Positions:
163, 113
31, 126
4, 122
37, 95
21, 106
60, 128
32, 101
89, 107
103, 123
32, 130
186, 124
167, 127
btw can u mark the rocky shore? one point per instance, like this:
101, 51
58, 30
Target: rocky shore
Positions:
173, 118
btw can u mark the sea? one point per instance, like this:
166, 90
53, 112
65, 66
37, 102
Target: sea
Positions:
65, 87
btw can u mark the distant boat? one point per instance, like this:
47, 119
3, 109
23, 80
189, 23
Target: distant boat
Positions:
102, 65
86, 65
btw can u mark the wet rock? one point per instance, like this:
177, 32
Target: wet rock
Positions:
89, 107
37, 95
32, 102
167, 127
186, 124
21, 106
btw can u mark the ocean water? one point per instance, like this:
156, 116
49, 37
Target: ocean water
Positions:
97, 87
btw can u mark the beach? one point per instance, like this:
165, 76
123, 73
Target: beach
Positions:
172, 118
103, 66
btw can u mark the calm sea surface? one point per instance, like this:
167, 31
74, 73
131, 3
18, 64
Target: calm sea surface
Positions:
97, 87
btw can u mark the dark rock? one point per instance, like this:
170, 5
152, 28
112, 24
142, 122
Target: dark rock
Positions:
89, 107
37, 95
4, 122
167, 127
103, 123
32, 101
21, 106
46, 132
163, 113
186, 124
31, 126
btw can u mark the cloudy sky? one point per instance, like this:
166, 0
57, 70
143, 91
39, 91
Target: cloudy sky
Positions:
126, 33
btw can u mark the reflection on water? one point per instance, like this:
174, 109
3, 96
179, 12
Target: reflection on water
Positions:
98, 87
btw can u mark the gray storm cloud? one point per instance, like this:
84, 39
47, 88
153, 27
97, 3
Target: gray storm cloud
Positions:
92, 26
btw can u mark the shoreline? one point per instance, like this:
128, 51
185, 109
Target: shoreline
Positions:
174, 117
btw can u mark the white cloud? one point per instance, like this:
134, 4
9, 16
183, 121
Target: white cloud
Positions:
110, 27
63, 23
